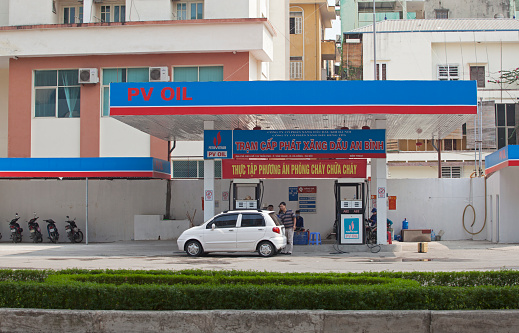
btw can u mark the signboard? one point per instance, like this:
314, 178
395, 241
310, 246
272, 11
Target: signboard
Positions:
381, 192
291, 169
351, 229
209, 195
504, 157
217, 144
264, 97
310, 143
307, 199
292, 194
225, 196
392, 202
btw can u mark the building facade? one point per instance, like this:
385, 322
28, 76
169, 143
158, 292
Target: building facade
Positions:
48, 109
311, 56
359, 13
472, 49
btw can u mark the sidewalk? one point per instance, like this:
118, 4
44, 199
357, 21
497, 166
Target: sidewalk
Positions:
147, 255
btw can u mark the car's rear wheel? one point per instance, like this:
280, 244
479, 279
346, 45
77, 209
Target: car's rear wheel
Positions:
266, 249
194, 248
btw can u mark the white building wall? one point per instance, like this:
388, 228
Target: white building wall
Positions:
436, 204
112, 205
406, 55
280, 67
30, 12
55, 137
493, 194
254, 68
150, 10
4, 12
4, 94
222, 9
120, 140
508, 209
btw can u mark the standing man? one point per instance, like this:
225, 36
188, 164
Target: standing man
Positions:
288, 218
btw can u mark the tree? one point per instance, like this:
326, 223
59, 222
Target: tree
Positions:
509, 77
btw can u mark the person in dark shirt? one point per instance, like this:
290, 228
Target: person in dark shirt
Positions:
373, 218
288, 218
300, 224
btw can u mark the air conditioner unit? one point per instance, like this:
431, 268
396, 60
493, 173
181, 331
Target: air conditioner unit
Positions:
159, 74
88, 75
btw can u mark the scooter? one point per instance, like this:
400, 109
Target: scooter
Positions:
35, 230
52, 230
16, 231
74, 234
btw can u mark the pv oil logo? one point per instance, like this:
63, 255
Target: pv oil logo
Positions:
217, 144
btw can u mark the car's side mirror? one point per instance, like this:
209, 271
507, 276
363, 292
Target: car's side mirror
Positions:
213, 226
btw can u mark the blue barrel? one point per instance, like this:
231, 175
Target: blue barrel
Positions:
405, 224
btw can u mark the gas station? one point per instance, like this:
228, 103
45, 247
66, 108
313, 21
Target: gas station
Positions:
316, 130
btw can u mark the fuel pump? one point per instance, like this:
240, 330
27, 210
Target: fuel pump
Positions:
350, 209
246, 194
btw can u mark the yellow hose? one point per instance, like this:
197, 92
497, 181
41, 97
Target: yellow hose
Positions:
474, 211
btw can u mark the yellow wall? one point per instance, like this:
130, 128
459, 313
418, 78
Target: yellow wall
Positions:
308, 44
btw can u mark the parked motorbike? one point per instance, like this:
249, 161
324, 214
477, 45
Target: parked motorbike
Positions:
52, 230
16, 230
35, 230
74, 234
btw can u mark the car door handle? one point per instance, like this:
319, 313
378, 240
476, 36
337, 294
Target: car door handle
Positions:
231, 229
261, 228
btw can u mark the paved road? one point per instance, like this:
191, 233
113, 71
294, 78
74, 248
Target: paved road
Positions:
441, 256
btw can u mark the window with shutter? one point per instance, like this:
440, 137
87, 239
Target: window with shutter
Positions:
448, 72
296, 23
296, 70
477, 73
451, 172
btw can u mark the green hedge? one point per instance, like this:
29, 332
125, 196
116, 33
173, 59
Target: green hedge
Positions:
202, 290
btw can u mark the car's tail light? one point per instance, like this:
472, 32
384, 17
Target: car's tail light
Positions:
276, 230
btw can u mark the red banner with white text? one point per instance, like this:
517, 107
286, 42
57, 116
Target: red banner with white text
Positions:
294, 169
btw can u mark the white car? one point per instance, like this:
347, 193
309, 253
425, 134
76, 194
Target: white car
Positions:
236, 231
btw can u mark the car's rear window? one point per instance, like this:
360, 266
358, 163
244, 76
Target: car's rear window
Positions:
275, 218
252, 220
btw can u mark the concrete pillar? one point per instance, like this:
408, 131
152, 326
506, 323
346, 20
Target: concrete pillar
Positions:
208, 180
87, 11
379, 188
404, 9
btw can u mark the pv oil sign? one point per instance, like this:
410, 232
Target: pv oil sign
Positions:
351, 229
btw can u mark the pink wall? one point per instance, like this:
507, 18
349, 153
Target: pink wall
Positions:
235, 68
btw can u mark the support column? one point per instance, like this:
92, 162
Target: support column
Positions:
404, 10
379, 179
87, 11
208, 180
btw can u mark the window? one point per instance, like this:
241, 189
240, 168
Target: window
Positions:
296, 70
448, 72
451, 172
194, 169
296, 23
252, 220
112, 75
56, 93
224, 221
113, 13
197, 11
190, 10
73, 14
198, 74
506, 125
477, 73
383, 77
442, 13
182, 11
